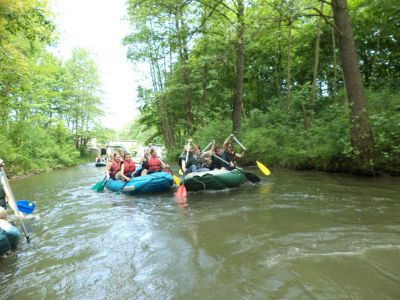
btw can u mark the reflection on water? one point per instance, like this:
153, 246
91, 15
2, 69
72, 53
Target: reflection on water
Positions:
296, 235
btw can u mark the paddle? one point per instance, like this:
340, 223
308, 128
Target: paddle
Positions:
13, 204
25, 206
181, 192
177, 180
250, 176
261, 166
99, 187
207, 146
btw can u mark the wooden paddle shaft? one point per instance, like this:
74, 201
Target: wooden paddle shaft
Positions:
221, 159
237, 141
13, 204
207, 146
187, 153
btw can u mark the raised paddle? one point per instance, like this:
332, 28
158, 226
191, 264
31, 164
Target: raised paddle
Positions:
207, 146
250, 176
263, 168
181, 192
13, 204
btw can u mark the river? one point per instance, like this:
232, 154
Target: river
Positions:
297, 235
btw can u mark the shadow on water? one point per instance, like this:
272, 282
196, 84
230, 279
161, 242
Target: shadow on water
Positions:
295, 235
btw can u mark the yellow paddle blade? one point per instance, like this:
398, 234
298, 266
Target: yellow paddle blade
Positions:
263, 168
177, 181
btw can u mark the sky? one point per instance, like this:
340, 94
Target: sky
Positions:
98, 25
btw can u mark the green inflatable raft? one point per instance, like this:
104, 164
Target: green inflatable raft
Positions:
214, 180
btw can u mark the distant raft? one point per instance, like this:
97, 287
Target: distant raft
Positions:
100, 164
9, 239
153, 183
214, 180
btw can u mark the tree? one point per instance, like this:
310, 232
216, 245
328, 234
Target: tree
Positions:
238, 102
83, 96
361, 134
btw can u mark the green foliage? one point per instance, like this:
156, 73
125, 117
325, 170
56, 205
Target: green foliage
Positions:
320, 147
48, 108
33, 149
384, 109
272, 138
269, 129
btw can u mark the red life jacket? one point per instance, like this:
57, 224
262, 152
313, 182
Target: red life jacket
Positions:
154, 163
115, 167
129, 166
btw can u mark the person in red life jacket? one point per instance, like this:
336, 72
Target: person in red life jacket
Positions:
230, 154
127, 168
113, 166
155, 163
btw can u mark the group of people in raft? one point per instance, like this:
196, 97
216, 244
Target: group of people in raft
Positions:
192, 159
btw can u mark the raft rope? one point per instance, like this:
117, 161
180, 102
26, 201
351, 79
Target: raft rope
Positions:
194, 178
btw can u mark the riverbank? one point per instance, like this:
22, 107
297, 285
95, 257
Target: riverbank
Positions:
12, 175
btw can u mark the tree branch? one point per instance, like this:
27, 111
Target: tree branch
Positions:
206, 18
218, 11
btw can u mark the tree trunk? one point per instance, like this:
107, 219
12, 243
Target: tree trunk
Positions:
334, 79
204, 96
306, 121
166, 128
289, 76
184, 61
278, 64
188, 95
316, 60
361, 134
237, 106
